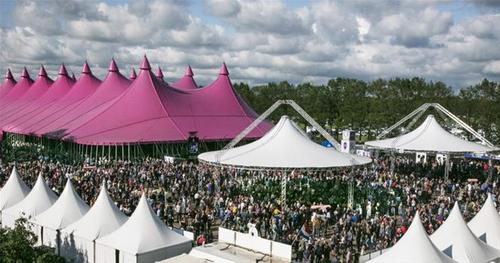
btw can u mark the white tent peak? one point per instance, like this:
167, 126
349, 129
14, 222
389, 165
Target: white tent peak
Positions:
13, 191
38, 200
486, 223
103, 218
284, 146
457, 240
430, 137
415, 246
143, 232
66, 210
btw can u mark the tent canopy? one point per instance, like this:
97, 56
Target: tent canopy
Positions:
143, 232
429, 137
151, 111
18, 90
13, 191
284, 146
84, 87
39, 87
38, 200
103, 218
455, 239
487, 223
66, 210
187, 81
8, 84
415, 246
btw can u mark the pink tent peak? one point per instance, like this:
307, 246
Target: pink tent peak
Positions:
24, 73
8, 74
145, 64
62, 70
159, 73
223, 69
42, 72
112, 66
86, 68
133, 75
189, 71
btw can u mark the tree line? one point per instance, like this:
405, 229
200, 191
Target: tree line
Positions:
370, 107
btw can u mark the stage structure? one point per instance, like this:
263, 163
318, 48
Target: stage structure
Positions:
284, 148
430, 138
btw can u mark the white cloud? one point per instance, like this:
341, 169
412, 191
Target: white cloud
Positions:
260, 40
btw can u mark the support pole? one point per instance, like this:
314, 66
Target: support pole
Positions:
393, 162
350, 194
284, 179
447, 167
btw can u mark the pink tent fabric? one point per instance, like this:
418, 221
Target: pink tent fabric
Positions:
84, 87
113, 85
151, 111
133, 75
57, 90
186, 82
8, 83
159, 74
18, 90
39, 87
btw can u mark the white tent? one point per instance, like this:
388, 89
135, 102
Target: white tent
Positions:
78, 239
415, 247
38, 200
143, 238
456, 240
430, 137
284, 146
66, 210
486, 224
185, 258
13, 191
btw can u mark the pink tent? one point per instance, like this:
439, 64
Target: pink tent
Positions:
159, 74
113, 85
151, 111
215, 111
84, 87
133, 75
18, 90
186, 82
8, 83
57, 90
39, 87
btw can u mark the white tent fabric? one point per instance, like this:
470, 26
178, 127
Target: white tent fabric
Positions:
78, 239
13, 191
456, 240
486, 224
143, 238
38, 200
430, 137
284, 146
415, 246
66, 210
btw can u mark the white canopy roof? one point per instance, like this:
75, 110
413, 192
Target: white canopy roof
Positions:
103, 218
38, 200
454, 238
66, 210
430, 137
487, 223
13, 191
284, 146
143, 232
415, 246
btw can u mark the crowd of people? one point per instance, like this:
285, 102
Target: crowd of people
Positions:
197, 197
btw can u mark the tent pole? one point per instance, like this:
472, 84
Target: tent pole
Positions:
447, 167
393, 162
283, 187
116, 153
490, 167
123, 152
128, 151
109, 152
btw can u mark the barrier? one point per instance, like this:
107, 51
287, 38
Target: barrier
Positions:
227, 236
281, 250
371, 255
255, 243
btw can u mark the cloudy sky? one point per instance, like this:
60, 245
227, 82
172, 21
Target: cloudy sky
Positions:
261, 40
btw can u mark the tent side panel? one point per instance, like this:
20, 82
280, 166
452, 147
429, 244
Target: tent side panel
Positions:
77, 249
164, 253
104, 254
